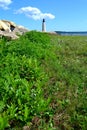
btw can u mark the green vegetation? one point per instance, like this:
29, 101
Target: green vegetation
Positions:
43, 82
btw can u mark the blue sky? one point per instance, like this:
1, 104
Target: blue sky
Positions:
61, 15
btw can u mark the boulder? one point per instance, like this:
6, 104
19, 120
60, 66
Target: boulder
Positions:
11, 30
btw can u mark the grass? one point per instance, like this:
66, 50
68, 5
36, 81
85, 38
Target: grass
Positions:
43, 82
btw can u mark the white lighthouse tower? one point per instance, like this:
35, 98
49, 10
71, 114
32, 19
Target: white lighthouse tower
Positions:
43, 26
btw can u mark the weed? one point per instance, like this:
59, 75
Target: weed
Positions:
43, 82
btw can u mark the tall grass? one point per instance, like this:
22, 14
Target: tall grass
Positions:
43, 82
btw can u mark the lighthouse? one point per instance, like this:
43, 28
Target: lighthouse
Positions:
43, 26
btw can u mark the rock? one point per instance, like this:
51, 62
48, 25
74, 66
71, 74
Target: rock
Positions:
26, 128
11, 30
53, 33
7, 25
9, 35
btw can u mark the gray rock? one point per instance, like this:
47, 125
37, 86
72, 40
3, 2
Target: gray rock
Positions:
11, 30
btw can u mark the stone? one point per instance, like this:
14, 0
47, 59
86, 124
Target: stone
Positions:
26, 128
11, 30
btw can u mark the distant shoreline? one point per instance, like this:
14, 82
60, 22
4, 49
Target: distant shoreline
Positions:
82, 33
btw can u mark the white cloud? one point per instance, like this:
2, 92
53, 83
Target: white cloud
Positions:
4, 3
34, 13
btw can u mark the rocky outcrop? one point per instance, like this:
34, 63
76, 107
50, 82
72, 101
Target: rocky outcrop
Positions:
11, 30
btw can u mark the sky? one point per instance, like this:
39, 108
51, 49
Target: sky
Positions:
60, 15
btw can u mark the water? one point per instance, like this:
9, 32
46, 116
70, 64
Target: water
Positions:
72, 33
